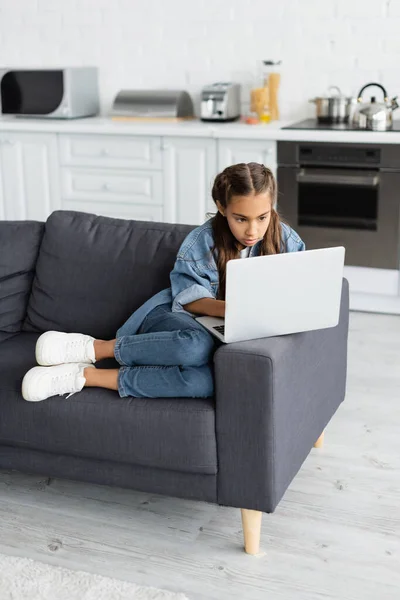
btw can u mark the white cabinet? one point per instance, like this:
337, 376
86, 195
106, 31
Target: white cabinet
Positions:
129, 176
231, 152
141, 177
113, 175
29, 185
190, 166
112, 185
111, 151
138, 177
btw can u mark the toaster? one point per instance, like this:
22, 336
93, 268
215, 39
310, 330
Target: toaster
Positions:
220, 102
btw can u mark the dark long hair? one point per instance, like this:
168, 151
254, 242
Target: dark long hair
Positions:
242, 179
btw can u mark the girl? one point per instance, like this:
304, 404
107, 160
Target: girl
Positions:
163, 351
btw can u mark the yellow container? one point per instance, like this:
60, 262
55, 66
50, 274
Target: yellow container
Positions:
259, 103
265, 117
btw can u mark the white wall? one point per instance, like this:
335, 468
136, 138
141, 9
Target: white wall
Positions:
188, 43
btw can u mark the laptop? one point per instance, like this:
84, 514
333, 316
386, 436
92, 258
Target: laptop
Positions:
280, 294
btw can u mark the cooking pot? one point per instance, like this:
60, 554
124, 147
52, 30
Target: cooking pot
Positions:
377, 116
335, 108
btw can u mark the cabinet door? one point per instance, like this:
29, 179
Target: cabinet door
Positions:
115, 185
129, 194
29, 175
111, 151
231, 152
189, 172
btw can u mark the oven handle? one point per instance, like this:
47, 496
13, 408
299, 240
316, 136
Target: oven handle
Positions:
369, 180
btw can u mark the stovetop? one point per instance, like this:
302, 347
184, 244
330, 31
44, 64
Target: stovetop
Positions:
313, 124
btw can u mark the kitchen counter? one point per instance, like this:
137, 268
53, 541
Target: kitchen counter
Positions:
196, 128
99, 125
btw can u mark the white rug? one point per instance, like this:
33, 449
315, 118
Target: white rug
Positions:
26, 579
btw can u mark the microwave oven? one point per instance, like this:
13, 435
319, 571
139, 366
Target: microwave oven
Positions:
66, 93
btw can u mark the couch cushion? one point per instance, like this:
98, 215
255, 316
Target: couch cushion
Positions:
93, 272
175, 434
19, 247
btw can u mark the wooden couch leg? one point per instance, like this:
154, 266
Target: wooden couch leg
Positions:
251, 520
320, 441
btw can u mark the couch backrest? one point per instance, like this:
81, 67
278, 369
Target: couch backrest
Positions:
19, 247
93, 272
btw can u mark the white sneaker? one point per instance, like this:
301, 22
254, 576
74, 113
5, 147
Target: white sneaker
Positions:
56, 348
43, 382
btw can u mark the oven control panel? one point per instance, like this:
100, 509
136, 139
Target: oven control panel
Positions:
329, 154
338, 154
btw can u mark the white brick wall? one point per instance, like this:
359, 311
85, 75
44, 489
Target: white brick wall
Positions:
186, 43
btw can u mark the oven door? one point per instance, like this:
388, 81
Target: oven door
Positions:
355, 208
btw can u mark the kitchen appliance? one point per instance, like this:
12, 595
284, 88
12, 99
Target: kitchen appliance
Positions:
374, 115
152, 105
314, 125
220, 102
336, 194
66, 93
333, 108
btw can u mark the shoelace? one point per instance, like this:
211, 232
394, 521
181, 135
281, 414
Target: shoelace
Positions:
62, 384
74, 347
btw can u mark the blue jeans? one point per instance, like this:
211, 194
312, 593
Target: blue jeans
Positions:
169, 357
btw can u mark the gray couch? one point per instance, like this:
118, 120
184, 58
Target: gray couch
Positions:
274, 397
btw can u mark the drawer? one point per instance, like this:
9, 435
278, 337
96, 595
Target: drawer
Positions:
111, 151
117, 210
131, 187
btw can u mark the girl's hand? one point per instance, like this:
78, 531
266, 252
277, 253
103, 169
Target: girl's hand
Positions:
207, 306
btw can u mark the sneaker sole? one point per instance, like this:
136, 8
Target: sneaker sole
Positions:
26, 384
44, 361
39, 350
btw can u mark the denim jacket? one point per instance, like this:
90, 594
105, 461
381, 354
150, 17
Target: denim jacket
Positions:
195, 273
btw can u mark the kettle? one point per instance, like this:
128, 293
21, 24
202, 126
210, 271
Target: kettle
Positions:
374, 115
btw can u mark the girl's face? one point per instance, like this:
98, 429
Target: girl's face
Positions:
248, 217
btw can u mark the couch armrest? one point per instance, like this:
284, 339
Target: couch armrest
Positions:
274, 397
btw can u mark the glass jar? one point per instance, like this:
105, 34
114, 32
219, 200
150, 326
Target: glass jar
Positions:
271, 79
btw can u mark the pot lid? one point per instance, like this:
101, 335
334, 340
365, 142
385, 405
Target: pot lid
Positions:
372, 108
338, 94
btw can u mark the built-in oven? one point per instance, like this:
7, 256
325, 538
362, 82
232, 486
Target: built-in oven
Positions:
343, 194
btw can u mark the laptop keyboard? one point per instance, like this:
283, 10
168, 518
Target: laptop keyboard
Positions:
220, 329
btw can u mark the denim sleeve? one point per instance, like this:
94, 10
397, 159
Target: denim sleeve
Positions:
188, 285
301, 246
295, 244
291, 241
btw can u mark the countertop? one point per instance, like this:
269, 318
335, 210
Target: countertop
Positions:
195, 128
103, 125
